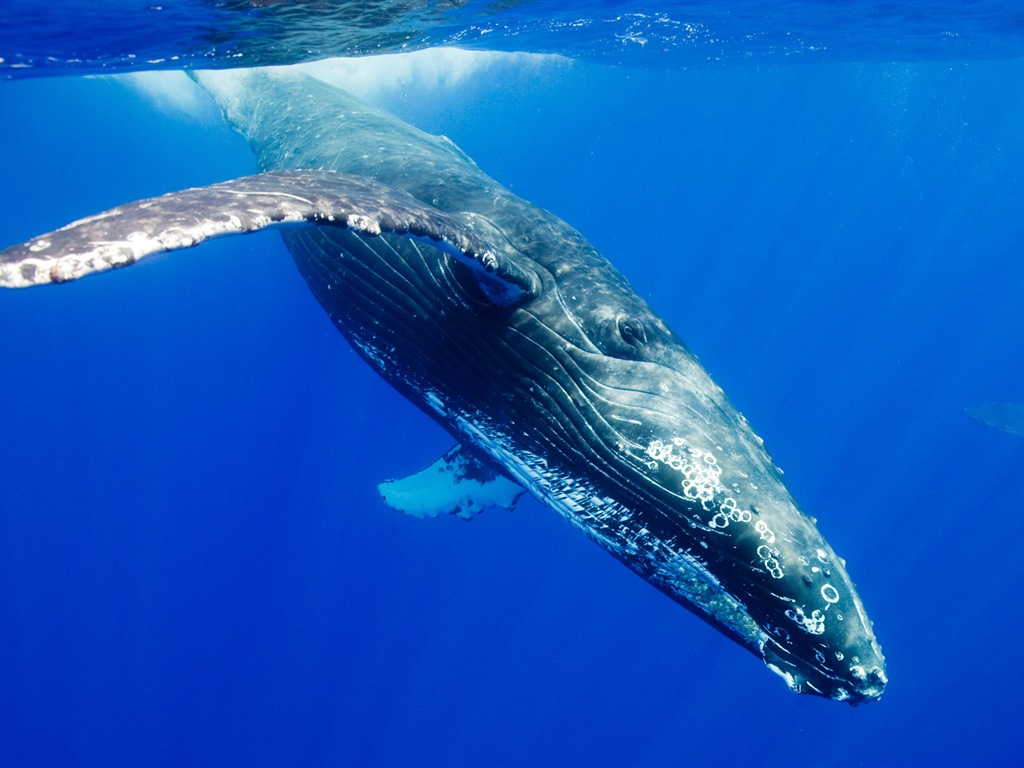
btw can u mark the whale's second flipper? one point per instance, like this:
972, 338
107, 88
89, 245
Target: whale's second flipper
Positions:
459, 483
122, 236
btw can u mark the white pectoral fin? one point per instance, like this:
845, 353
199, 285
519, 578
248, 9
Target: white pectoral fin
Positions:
459, 483
124, 235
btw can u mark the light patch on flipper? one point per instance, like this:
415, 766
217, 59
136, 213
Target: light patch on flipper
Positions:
122, 236
458, 483
1007, 417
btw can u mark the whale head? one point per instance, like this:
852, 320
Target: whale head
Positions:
687, 496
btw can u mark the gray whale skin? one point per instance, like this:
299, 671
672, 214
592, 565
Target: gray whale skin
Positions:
504, 324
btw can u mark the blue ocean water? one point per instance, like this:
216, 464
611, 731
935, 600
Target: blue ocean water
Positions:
124, 35
196, 569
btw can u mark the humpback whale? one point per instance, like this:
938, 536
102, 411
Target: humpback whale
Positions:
502, 322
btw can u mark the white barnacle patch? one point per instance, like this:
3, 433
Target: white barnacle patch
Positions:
66, 269
138, 238
362, 223
767, 534
39, 245
699, 468
813, 624
729, 511
171, 239
769, 557
119, 257
701, 481
829, 593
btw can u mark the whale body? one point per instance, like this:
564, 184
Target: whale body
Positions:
505, 325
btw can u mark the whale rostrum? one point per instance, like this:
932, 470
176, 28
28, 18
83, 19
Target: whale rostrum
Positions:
506, 326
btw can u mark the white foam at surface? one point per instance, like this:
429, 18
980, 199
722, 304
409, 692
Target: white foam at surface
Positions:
171, 92
370, 77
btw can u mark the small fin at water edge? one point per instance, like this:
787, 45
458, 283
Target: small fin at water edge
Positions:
1008, 417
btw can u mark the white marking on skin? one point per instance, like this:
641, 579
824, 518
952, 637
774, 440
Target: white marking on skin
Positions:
699, 469
627, 421
813, 624
787, 676
363, 224
702, 482
275, 195
766, 533
66, 269
769, 557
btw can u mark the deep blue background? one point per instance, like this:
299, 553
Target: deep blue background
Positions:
196, 569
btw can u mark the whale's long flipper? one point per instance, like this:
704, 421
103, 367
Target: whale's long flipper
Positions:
123, 235
459, 483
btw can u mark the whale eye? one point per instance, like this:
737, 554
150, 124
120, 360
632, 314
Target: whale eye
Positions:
632, 331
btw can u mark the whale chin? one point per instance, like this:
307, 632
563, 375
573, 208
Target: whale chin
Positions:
864, 683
